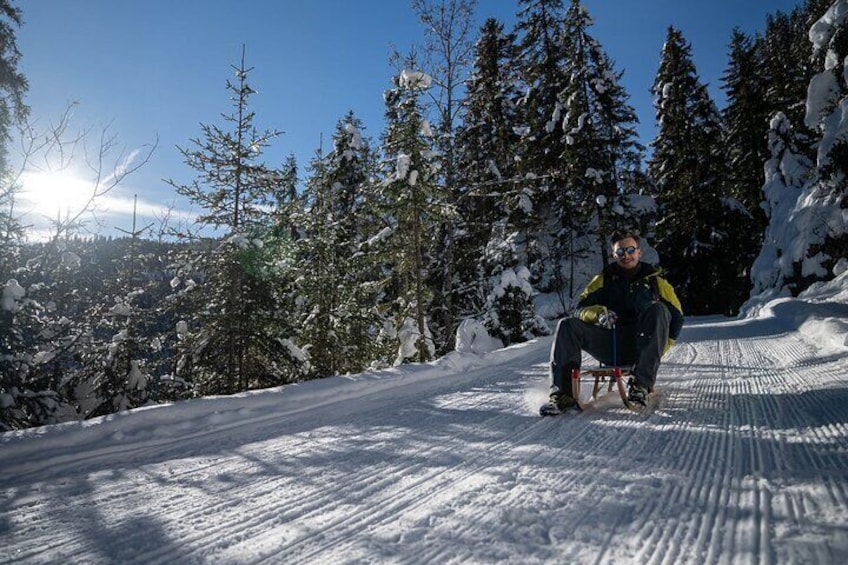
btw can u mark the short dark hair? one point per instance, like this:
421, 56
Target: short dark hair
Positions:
619, 235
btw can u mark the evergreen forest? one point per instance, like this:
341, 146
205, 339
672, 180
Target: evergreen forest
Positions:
507, 159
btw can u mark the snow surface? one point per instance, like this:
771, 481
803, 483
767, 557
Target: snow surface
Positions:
744, 460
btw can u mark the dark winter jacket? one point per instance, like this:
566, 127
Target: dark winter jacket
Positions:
627, 296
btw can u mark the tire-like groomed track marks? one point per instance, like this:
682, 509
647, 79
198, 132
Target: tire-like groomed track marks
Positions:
744, 459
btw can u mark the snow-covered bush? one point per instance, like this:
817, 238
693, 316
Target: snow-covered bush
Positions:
411, 340
510, 313
472, 337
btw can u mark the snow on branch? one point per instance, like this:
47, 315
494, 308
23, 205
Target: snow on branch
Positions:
414, 79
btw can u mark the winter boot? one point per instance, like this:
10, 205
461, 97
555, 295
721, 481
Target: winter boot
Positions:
638, 393
557, 404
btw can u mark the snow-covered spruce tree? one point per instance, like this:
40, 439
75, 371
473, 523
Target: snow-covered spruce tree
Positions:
783, 64
11, 234
746, 119
11, 229
50, 336
236, 333
486, 180
600, 150
51, 313
446, 57
784, 53
698, 230
13, 83
336, 281
413, 207
487, 286
786, 172
820, 215
542, 69
118, 371
805, 199
578, 149
26, 397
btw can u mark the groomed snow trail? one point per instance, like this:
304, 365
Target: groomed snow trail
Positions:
744, 460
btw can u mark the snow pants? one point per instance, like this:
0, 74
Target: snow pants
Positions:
639, 345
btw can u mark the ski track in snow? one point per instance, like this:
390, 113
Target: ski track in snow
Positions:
743, 460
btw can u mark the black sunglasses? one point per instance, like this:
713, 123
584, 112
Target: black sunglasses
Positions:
622, 250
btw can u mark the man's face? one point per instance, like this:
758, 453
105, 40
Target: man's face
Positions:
626, 253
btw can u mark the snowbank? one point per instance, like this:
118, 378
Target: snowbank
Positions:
820, 312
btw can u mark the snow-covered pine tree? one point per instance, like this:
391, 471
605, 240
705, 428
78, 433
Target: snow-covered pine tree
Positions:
336, 283
698, 236
746, 119
81, 339
784, 64
600, 149
118, 372
486, 180
11, 230
488, 287
51, 315
11, 291
784, 51
786, 172
542, 68
820, 215
806, 237
13, 85
413, 206
236, 332
54, 325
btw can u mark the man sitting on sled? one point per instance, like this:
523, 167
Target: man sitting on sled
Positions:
631, 297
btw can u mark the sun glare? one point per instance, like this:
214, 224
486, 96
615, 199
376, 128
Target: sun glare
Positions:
54, 193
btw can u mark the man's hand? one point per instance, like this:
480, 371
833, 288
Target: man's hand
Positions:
607, 319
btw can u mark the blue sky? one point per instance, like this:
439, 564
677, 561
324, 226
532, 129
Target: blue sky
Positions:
159, 67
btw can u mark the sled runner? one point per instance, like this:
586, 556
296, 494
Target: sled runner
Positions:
604, 374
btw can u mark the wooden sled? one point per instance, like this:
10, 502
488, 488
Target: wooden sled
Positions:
600, 375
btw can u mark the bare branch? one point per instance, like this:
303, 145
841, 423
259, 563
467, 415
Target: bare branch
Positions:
122, 168
56, 148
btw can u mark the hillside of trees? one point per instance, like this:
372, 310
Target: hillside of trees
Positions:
507, 159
